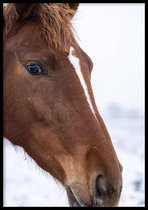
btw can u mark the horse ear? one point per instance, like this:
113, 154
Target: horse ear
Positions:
74, 7
24, 10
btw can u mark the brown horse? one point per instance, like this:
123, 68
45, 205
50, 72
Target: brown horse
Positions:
49, 107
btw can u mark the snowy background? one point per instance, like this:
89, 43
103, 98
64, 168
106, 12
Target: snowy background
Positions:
113, 36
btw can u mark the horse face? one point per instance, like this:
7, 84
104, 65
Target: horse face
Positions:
49, 110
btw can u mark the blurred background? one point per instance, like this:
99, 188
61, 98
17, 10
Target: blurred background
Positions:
113, 36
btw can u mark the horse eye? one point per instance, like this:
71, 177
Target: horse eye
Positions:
34, 69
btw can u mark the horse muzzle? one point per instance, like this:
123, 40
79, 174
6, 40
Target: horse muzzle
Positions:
98, 196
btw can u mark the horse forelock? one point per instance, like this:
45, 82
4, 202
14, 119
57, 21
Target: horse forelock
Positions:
56, 25
54, 22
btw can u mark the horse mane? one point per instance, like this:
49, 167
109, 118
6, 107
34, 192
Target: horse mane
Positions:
55, 23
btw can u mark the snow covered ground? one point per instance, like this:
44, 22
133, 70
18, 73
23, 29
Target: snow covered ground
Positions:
27, 185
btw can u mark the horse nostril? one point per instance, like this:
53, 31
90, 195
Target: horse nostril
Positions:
100, 187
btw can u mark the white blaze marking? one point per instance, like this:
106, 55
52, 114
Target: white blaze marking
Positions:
76, 64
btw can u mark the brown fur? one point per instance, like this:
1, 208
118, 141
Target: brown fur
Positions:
48, 115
